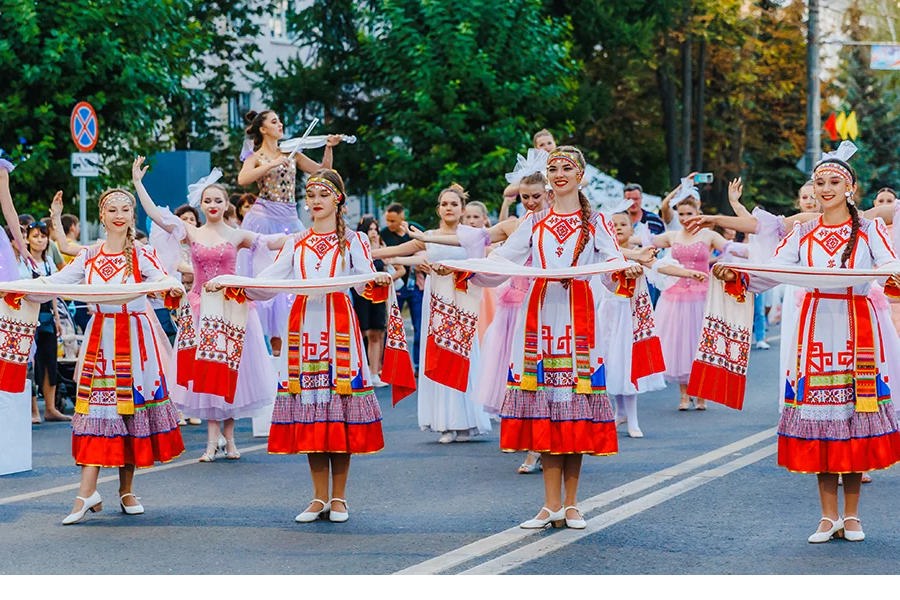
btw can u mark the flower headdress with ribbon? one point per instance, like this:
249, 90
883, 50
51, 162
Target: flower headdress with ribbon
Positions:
686, 190
843, 154
195, 190
535, 162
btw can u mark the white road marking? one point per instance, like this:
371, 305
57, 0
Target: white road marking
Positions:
525, 554
140, 472
513, 535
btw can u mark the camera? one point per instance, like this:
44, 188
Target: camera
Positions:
703, 178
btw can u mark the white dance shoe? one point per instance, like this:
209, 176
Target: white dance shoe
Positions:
555, 518
308, 516
134, 509
836, 530
338, 516
93, 503
577, 523
854, 536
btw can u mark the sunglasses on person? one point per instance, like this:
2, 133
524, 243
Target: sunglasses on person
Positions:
37, 225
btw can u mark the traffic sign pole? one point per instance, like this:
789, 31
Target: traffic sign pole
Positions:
85, 129
82, 209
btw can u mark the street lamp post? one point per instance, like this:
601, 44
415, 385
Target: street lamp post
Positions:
813, 94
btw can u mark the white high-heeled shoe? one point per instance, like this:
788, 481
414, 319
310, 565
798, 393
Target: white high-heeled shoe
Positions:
854, 536
209, 455
337, 516
308, 516
555, 518
93, 503
836, 530
134, 509
578, 523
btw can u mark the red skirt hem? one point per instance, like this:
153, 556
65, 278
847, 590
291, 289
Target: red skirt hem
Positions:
856, 455
321, 437
88, 450
559, 437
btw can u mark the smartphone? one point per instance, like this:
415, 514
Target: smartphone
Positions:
703, 178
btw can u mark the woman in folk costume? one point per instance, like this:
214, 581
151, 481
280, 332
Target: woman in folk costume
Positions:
679, 311
838, 416
9, 269
328, 410
614, 313
275, 209
213, 251
555, 402
123, 416
529, 184
449, 358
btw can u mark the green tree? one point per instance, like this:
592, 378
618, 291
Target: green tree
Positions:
324, 81
875, 97
457, 91
155, 71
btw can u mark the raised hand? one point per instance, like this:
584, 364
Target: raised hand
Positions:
138, 169
56, 205
735, 190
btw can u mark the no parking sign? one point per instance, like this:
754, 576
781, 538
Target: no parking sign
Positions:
84, 126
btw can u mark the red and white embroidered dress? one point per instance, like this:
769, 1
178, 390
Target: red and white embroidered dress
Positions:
840, 364
123, 415
326, 401
556, 390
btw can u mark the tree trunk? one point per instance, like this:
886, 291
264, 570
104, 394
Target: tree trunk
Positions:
667, 92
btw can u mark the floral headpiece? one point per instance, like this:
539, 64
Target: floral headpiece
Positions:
326, 184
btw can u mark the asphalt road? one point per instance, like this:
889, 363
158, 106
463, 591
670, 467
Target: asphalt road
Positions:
699, 494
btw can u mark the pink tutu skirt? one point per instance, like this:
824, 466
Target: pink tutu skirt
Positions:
679, 320
256, 383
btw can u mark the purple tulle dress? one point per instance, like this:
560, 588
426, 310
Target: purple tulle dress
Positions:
256, 377
275, 211
679, 312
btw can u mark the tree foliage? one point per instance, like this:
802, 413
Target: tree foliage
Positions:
875, 97
155, 71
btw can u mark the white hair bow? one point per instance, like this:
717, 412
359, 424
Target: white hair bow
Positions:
685, 190
843, 153
195, 190
536, 162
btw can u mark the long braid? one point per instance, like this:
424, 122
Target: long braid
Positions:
854, 234
128, 249
586, 212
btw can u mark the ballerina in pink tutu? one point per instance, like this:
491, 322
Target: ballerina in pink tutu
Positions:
679, 312
213, 248
9, 269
